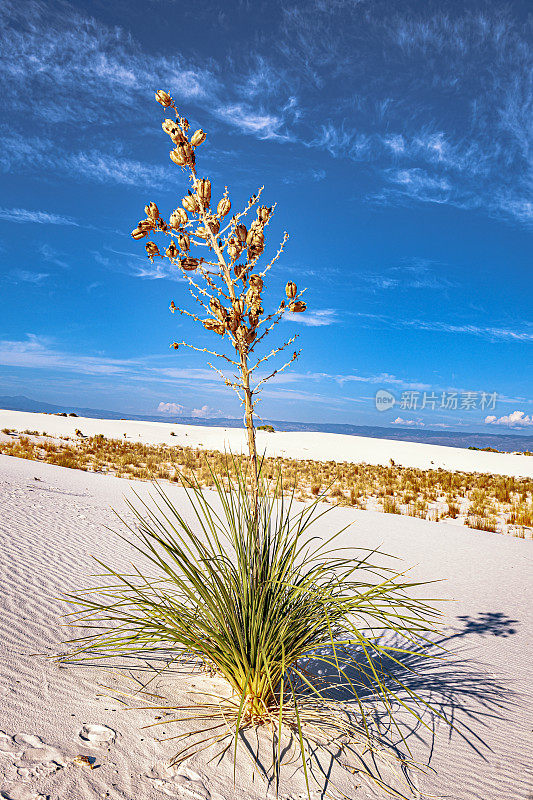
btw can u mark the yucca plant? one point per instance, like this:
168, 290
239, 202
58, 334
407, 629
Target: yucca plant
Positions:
262, 618
246, 591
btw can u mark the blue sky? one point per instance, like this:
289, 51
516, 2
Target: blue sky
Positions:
395, 139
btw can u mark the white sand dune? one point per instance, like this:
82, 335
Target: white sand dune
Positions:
52, 520
306, 445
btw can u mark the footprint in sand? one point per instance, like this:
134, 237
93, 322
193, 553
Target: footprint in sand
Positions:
97, 735
8, 744
30, 758
168, 779
20, 792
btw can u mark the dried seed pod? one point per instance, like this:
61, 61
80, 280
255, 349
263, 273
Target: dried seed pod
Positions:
255, 249
152, 249
256, 226
172, 306
169, 126
184, 241
188, 263
264, 213
239, 270
179, 139
198, 138
172, 251
234, 248
257, 282
240, 232
163, 98
250, 297
203, 190
213, 325
217, 308
291, 290
139, 233
250, 336
178, 218
190, 203
214, 225
223, 207
205, 231
183, 154
297, 307
253, 319
146, 224
178, 156
162, 225
257, 241
175, 345
233, 321
191, 158
239, 307
151, 211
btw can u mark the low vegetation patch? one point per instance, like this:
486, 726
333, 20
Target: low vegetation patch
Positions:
487, 502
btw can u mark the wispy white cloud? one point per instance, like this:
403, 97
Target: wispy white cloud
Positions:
26, 276
92, 165
93, 72
108, 168
52, 256
407, 93
413, 273
249, 120
36, 352
315, 318
37, 217
417, 184
494, 333
488, 332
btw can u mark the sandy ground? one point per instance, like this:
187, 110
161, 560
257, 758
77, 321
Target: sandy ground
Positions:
312, 445
52, 519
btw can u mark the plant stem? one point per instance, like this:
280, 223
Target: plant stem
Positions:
249, 421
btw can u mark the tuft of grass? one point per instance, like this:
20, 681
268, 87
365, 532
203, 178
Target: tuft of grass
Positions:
251, 595
453, 510
479, 523
390, 506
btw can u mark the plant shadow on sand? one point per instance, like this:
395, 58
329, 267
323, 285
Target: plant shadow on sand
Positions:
463, 695
465, 701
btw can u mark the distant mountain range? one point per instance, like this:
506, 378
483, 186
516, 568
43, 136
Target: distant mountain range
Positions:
501, 441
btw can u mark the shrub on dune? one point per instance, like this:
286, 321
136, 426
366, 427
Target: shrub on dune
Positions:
248, 593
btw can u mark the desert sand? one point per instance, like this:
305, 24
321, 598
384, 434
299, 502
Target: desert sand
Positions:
52, 519
308, 445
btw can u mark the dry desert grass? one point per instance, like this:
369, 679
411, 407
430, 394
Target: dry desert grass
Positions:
481, 501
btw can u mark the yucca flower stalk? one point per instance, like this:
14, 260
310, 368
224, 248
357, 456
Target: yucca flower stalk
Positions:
194, 598
228, 282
